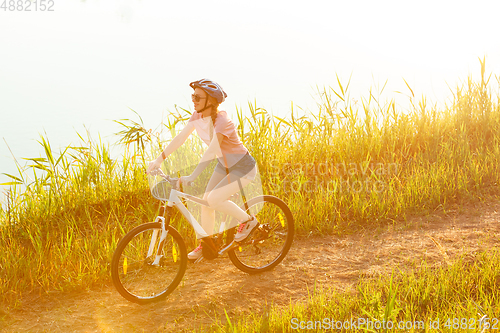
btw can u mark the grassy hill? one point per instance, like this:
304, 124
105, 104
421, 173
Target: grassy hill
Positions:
339, 167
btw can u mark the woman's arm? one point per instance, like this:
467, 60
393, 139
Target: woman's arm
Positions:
176, 142
212, 152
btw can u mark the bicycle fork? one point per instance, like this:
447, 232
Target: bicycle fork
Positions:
161, 243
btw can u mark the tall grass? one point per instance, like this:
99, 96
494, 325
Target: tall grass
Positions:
51, 233
339, 167
461, 297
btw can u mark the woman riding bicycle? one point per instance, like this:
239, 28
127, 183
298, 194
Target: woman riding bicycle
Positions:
234, 161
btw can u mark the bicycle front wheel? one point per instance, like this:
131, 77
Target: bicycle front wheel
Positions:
269, 243
148, 263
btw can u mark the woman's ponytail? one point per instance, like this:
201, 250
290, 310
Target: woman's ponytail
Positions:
213, 115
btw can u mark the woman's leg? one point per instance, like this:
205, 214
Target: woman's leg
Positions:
208, 213
218, 197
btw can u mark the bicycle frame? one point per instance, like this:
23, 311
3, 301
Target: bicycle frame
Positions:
175, 200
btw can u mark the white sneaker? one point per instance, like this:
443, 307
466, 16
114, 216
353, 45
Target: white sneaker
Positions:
245, 229
196, 253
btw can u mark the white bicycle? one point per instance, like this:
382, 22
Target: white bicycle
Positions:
150, 260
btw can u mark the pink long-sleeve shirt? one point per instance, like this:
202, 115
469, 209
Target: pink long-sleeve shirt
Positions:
231, 146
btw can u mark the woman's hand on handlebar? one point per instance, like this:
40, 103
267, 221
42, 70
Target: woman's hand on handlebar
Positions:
153, 165
188, 180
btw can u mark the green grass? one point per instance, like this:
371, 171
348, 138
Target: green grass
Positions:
454, 298
339, 167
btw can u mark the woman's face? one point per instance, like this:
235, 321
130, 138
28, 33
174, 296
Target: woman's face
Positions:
200, 104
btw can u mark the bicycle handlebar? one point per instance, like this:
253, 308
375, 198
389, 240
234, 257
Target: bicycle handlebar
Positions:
172, 181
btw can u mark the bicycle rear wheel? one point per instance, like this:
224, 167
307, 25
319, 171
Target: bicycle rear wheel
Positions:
147, 268
269, 243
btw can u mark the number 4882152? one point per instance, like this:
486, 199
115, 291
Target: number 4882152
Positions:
27, 5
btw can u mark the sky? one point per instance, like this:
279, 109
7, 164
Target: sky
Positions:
88, 62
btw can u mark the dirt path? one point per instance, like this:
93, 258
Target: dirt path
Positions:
209, 288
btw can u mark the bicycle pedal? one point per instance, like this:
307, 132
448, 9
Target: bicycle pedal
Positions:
198, 260
231, 246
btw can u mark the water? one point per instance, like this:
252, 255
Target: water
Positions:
88, 63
